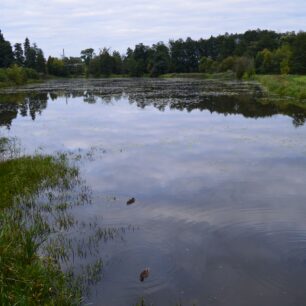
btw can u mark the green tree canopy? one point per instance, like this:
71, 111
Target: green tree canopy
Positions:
6, 52
87, 55
299, 53
18, 54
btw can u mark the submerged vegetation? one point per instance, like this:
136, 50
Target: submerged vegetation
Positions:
37, 246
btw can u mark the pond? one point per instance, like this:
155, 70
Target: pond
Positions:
217, 171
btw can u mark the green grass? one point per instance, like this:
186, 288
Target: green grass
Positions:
25, 277
27, 175
284, 85
198, 75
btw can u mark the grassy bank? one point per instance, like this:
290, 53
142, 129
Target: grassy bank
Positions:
198, 75
25, 277
284, 85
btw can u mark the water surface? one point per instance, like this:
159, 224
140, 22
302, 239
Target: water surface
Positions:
217, 171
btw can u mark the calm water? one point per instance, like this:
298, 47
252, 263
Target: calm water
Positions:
217, 173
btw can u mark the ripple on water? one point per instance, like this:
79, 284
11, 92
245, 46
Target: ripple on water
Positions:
125, 264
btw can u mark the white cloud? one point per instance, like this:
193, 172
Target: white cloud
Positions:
75, 24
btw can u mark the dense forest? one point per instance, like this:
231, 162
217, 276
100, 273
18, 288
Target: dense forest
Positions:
255, 51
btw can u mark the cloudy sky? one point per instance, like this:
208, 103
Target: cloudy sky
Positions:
78, 24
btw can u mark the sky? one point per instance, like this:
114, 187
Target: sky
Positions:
74, 25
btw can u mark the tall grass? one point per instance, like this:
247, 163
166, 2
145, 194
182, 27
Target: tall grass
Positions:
284, 85
25, 277
25, 176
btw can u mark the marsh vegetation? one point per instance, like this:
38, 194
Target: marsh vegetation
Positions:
38, 251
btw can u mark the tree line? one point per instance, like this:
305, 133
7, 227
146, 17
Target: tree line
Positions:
255, 51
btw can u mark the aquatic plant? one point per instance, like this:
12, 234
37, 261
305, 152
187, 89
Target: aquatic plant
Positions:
26, 278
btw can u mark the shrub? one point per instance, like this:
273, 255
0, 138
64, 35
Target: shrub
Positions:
16, 75
227, 64
31, 73
244, 67
206, 64
3, 75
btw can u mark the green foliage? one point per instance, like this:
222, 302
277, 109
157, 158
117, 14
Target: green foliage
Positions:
276, 62
206, 65
3, 76
264, 61
117, 63
299, 54
56, 67
244, 67
31, 74
159, 62
273, 53
18, 54
74, 66
283, 57
16, 75
40, 61
185, 55
138, 62
94, 67
106, 62
6, 52
34, 57
31, 57
87, 55
227, 64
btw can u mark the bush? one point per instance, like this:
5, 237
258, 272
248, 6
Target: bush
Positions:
206, 65
244, 67
227, 64
56, 67
17, 75
31, 73
3, 76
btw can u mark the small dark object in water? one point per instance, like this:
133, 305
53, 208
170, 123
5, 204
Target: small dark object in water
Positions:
130, 201
144, 274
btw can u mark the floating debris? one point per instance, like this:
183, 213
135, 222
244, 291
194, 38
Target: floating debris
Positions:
144, 274
130, 201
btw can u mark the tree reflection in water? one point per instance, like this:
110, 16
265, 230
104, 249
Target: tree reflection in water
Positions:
226, 98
